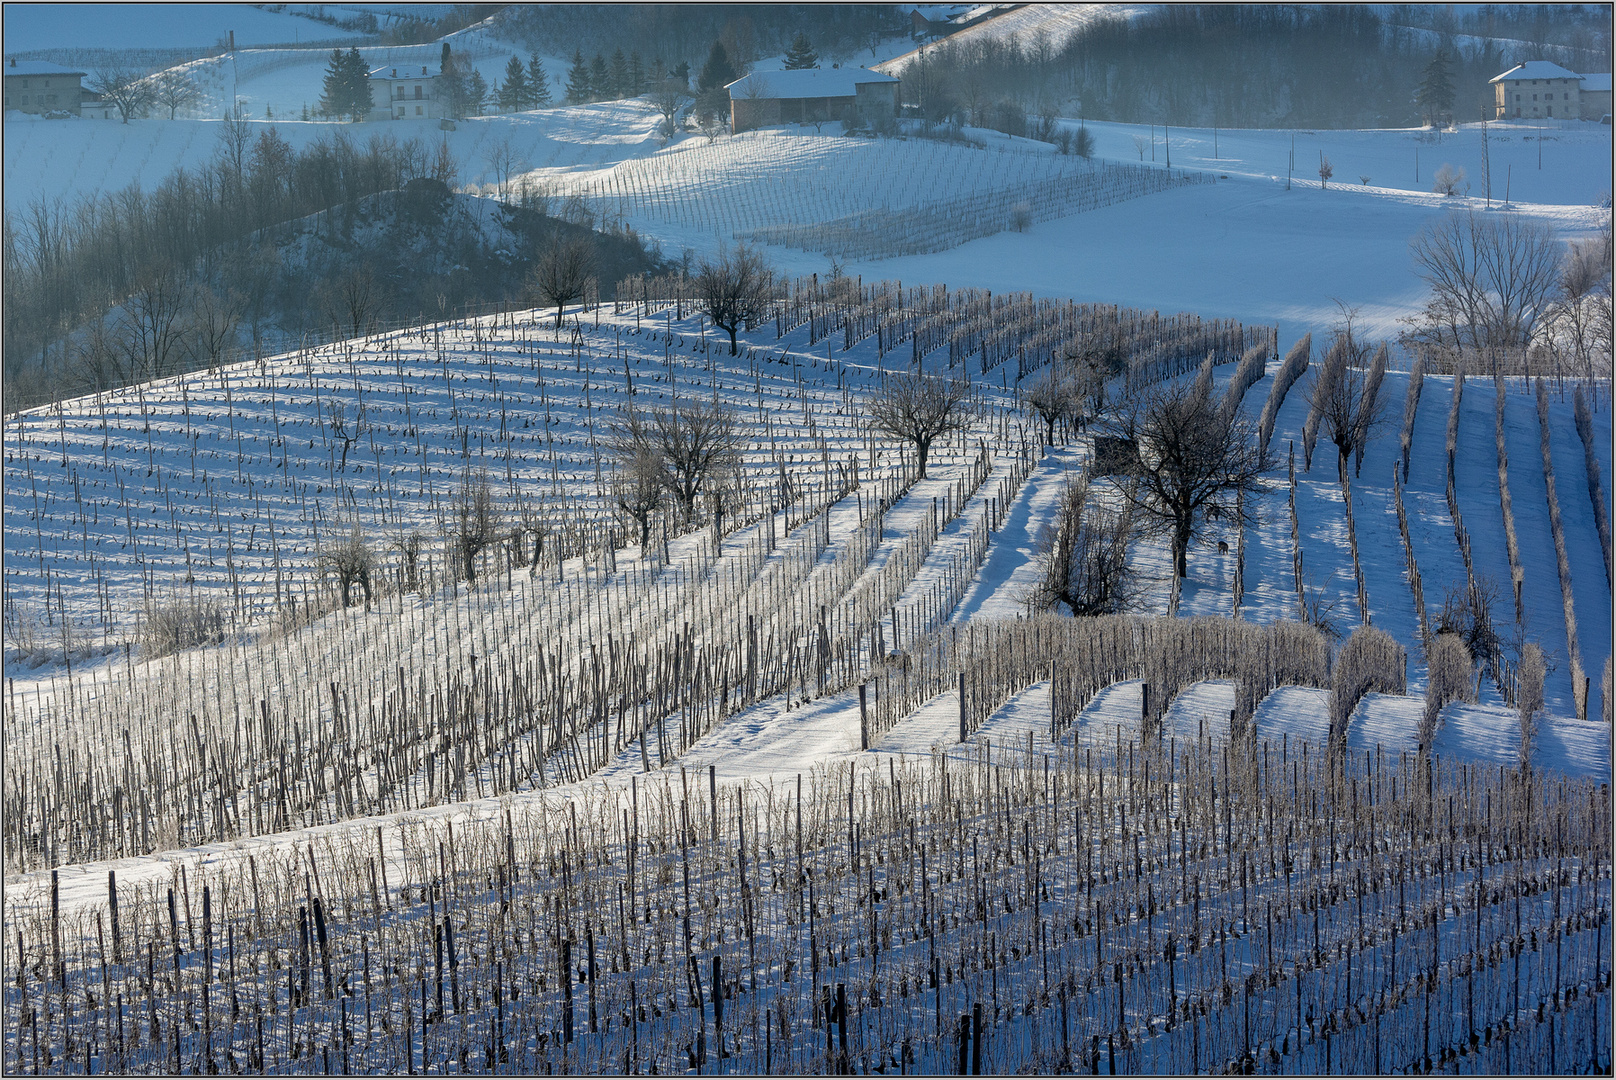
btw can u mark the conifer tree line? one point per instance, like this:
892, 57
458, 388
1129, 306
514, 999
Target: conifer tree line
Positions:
1251, 66
682, 34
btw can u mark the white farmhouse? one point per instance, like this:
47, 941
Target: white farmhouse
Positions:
399, 92
1537, 88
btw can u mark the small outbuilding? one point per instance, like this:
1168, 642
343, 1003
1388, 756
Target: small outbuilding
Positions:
1538, 88
812, 95
1595, 96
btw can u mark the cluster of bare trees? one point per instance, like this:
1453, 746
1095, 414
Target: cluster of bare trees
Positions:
1083, 560
1507, 296
179, 269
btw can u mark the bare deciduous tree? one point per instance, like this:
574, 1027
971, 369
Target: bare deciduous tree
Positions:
1055, 394
1468, 614
475, 524
174, 90
532, 518
1083, 557
125, 89
917, 408
725, 491
351, 562
1576, 313
214, 317
637, 484
150, 330
352, 300
668, 98
1491, 279
1345, 396
563, 272
694, 442
503, 161
1195, 459
734, 289
1447, 180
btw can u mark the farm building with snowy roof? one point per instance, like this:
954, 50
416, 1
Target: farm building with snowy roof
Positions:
398, 91
34, 86
1537, 88
812, 96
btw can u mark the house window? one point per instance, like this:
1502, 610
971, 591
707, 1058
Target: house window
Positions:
418, 110
1551, 110
401, 112
1517, 99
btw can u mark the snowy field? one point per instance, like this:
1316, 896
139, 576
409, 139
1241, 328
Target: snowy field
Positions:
1246, 247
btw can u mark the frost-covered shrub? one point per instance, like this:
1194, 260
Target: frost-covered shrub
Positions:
1370, 662
1252, 367
181, 625
1529, 696
1448, 180
1451, 677
1411, 406
1596, 486
1294, 365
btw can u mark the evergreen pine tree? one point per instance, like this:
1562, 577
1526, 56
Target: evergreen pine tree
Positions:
538, 83
659, 71
513, 92
636, 75
1435, 92
620, 80
334, 88
476, 92
600, 79
682, 73
717, 71
453, 84
802, 54
356, 85
578, 80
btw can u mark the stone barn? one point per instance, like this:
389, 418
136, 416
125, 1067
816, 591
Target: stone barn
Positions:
812, 95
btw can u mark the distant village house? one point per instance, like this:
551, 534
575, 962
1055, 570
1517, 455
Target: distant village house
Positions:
812, 95
34, 86
1541, 89
398, 92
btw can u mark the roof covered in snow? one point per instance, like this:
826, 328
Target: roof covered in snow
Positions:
1534, 69
38, 67
404, 71
1597, 82
805, 83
